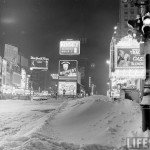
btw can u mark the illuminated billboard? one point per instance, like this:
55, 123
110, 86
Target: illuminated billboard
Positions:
68, 69
129, 73
129, 58
69, 87
69, 47
39, 63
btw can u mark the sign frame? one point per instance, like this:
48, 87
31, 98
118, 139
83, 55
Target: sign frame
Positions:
69, 50
118, 48
41, 59
73, 93
68, 77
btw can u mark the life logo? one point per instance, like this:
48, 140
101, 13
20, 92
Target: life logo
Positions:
138, 143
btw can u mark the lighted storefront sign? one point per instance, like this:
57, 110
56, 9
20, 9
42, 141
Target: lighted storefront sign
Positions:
68, 69
124, 82
7, 89
129, 73
39, 63
129, 58
69, 87
69, 47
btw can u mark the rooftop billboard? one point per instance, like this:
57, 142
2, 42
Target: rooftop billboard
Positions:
68, 69
69, 47
129, 58
39, 63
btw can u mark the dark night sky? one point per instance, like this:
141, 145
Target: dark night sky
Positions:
37, 26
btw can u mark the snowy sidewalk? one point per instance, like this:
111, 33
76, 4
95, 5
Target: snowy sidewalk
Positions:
19, 117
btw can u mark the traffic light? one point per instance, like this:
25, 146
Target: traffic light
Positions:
136, 26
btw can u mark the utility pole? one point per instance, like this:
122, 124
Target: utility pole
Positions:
141, 26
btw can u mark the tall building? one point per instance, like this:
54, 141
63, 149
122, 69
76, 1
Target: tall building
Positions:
126, 12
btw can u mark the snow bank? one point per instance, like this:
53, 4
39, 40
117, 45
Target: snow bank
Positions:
98, 120
90, 123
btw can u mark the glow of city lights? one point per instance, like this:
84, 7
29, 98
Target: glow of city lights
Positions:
9, 20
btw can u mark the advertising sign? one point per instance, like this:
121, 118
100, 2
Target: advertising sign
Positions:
23, 78
39, 63
11, 53
69, 87
4, 67
68, 69
69, 47
129, 73
129, 58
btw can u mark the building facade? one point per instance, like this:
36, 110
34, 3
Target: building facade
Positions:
124, 81
126, 12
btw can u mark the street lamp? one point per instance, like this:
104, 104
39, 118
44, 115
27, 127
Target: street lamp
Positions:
115, 27
108, 62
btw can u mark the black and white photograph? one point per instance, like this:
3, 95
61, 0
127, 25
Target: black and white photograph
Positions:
74, 74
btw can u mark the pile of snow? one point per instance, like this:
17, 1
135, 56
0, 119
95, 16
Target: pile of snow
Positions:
97, 120
90, 123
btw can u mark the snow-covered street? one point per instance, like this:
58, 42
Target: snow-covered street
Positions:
90, 123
